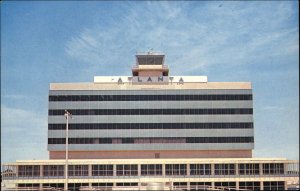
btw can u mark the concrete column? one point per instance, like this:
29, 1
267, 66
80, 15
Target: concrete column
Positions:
139, 170
260, 169
17, 170
261, 185
171, 185
41, 175
188, 170
237, 185
41, 171
188, 186
213, 185
139, 176
114, 170
212, 169
285, 168
285, 185
163, 170
236, 166
90, 170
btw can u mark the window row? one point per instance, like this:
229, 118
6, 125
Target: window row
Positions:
224, 169
199, 186
176, 169
147, 140
228, 111
102, 170
273, 168
127, 170
248, 169
274, 185
78, 126
150, 169
189, 97
200, 169
255, 185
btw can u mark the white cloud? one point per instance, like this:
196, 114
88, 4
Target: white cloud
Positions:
12, 96
23, 134
235, 33
271, 108
246, 37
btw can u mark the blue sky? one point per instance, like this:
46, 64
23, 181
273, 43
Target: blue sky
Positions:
51, 41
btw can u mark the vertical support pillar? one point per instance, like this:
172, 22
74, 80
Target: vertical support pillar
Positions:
139, 176
236, 166
188, 186
139, 170
41, 170
163, 173
212, 169
285, 185
188, 173
90, 170
213, 185
41, 175
261, 185
171, 185
261, 169
285, 168
188, 170
114, 170
237, 185
90, 173
261, 175
236, 174
17, 170
114, 175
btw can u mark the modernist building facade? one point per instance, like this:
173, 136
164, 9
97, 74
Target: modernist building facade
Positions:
153, 131
151, 115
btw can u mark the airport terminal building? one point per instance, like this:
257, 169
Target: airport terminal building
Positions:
152, 131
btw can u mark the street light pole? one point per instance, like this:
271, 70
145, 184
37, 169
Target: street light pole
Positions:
67, 115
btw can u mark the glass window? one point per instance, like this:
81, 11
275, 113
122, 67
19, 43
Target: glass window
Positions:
53, 170
176, 169
273, 168
200, 169
274, 185
102, 170
151, 169
250, 185
228, 185
28, 170
248, 169
224, 169
78, 170
127, 170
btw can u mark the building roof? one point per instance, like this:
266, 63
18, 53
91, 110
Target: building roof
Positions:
113, 85
153, 161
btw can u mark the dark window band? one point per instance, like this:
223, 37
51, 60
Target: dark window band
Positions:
147, 140
79, 126
228, 111
189, 97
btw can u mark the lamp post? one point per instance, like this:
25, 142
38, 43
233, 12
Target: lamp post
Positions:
67, 116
